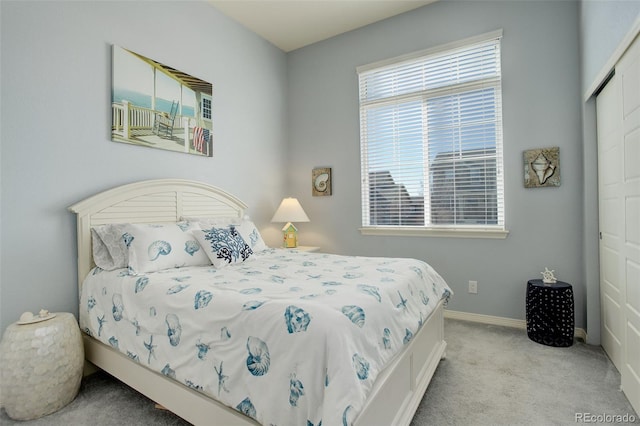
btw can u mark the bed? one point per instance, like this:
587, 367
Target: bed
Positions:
331, 301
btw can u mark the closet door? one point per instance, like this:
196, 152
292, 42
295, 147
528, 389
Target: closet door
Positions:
610, 159
618, 109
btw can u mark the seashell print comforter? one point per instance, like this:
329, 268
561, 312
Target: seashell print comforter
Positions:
286, 337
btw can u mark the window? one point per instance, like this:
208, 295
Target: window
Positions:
431, 141
205, 107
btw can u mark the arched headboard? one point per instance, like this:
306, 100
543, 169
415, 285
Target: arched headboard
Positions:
149, 201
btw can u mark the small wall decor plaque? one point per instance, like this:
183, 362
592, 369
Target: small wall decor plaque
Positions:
321, 181
542, 167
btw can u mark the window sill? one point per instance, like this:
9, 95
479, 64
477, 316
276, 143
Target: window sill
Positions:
432, 232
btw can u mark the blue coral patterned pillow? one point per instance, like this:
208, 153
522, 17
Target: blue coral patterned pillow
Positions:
223, 245
154, 247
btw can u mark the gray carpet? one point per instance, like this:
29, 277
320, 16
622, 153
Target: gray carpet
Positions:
492, 376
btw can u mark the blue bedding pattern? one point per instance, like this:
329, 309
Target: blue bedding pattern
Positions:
286, 337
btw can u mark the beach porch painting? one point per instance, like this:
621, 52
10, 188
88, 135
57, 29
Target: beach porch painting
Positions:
157, 106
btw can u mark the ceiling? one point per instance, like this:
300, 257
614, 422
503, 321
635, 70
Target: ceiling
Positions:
292, 24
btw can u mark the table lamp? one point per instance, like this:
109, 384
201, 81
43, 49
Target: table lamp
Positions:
289, 211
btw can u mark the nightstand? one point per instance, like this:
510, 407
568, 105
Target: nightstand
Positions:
41, 364
550, 316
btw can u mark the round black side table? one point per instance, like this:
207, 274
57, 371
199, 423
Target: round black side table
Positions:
550, 317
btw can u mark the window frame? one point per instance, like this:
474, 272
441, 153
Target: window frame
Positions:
206, 113
497, 231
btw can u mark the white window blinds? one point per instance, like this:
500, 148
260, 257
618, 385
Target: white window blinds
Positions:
431, 138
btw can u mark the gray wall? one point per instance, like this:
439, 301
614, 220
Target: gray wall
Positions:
541, 102
603, 25
55, 126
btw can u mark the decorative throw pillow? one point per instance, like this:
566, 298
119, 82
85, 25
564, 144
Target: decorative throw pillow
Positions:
223, 245
246, 227
110, 246
252, 236
155, 247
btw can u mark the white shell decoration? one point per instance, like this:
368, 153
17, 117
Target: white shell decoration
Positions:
320, 182
26, 316
30, 318
542, 168
547, 276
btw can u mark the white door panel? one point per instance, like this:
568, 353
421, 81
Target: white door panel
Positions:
618, 110
609, 268
633, 291
609, 181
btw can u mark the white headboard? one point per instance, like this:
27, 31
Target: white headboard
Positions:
150, 201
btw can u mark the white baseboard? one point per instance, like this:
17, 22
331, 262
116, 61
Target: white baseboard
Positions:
579, 333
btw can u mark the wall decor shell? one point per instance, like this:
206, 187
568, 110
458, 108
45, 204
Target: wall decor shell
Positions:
542, 167
321, 181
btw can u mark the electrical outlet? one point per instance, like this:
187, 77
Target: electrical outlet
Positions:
473, 287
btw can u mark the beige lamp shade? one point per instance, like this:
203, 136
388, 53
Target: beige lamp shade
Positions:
290, 210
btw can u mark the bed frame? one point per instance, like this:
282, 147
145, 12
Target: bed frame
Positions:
397, 391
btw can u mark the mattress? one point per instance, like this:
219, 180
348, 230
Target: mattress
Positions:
286, 337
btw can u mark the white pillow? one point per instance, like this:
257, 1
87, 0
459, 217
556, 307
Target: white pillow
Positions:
223, 245
252, 236
245, 227
155, 247
110, 246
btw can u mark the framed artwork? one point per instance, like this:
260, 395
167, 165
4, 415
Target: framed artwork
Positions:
157, 106
542, 167
321, 181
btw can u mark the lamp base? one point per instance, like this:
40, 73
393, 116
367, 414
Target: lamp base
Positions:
290, 236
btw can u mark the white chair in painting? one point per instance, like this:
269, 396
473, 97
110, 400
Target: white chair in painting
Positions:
163, 122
